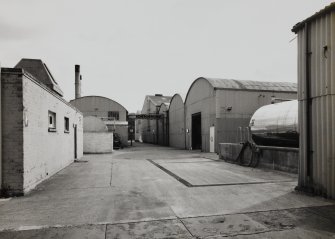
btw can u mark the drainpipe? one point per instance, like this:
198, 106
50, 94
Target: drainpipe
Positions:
0, 133
156, 136
185, 133
309, 163
167, 128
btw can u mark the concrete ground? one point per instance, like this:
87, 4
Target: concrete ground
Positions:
159, 192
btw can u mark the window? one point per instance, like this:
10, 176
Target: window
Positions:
113, 115
66, 125
52, 121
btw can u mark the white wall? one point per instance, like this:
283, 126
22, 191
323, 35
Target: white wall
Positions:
94, 124
45, 153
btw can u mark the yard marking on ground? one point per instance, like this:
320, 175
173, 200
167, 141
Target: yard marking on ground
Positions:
203, 161
183, 181
247, 183
188, 184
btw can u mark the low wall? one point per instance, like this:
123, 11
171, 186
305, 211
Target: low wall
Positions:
276, 158
98, 142
229, 151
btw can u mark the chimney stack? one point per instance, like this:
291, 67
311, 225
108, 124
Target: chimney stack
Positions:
77, 82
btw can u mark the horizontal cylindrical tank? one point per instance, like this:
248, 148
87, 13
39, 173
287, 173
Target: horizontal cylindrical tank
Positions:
276, 125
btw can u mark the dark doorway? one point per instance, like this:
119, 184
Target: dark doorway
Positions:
75, 141
196, 131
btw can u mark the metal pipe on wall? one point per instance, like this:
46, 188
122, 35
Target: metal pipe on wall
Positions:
185, 129
309, 164
167, 129
0, 133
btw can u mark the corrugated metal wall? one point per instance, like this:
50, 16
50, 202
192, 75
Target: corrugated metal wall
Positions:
317, 137
177, 122
243, 105
200, 99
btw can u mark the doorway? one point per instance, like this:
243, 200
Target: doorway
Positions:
196, 131
75, 141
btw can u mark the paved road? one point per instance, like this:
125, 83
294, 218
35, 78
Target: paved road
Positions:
158, 192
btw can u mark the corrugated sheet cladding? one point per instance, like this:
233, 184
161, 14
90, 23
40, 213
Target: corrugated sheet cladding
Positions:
252, 85
317, 156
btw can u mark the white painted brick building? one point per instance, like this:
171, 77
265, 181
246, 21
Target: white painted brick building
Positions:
41, 132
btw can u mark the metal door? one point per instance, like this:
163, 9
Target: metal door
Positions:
212, 139
196, 131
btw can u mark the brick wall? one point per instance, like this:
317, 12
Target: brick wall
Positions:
12, 132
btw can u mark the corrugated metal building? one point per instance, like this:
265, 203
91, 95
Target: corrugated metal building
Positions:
177, 122
111, 112
149, 128
216, 108
316, 95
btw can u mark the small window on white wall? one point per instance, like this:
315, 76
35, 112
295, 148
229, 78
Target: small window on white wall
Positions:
66, 125
52, 121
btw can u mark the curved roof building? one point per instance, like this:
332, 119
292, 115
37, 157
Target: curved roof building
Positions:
101, 107
111, 112
177, 122
219, 110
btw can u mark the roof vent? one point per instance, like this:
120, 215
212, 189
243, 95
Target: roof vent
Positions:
158, 94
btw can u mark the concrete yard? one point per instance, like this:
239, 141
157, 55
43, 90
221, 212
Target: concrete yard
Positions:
157, 192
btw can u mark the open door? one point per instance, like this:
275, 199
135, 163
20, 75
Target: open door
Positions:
196, 131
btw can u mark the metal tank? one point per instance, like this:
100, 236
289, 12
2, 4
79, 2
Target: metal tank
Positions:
276, 125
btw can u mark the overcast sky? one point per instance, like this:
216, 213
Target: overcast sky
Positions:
131, 48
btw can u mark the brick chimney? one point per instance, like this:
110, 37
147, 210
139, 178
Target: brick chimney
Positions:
77, 82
